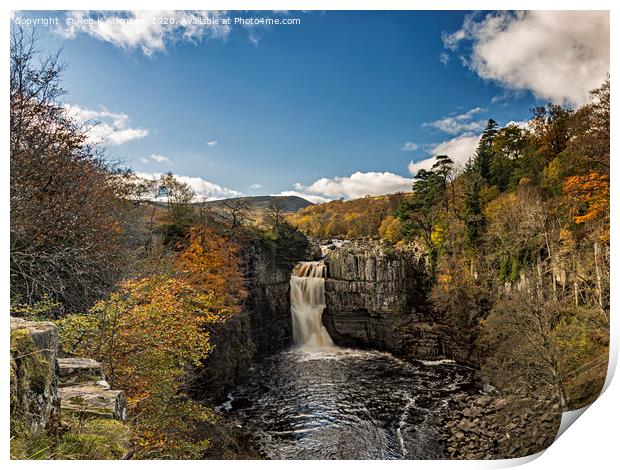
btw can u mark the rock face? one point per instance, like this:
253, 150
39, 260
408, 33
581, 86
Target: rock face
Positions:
376, 297
34, 374
228, 362
263, 326
268, 303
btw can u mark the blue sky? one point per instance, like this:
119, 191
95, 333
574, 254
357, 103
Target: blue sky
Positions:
341, 105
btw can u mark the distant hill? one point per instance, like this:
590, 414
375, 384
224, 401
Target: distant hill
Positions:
289, 203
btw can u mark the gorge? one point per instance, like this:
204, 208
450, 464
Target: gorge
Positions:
323, 399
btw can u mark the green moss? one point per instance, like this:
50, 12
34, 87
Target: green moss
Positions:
390, 254
32, 370
30, 374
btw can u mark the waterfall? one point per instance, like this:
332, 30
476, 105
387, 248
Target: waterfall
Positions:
307, 305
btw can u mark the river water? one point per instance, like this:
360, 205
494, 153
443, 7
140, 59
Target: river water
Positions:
345, 404
319, 401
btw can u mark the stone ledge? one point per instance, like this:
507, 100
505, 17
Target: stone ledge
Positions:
74, 370
93, 400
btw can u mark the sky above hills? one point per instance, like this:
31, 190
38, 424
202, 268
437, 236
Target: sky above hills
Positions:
330, 105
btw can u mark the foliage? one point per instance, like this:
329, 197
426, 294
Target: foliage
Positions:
588, 196
148, 336
420, 214
520, 245
92, 439
365, 217
211, 261
67, 238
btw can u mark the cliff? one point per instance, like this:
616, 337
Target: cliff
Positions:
376, 297
262, 327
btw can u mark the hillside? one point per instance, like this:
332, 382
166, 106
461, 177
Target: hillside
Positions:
289, 203
371, 216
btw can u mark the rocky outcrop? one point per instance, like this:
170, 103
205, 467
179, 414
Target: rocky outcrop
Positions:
498, 426
34, 374
267, 303
229, 361
376, 297
84, 391
45, 387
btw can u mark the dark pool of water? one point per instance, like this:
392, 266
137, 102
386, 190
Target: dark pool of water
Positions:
345, 404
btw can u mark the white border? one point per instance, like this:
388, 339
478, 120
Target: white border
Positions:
590, 444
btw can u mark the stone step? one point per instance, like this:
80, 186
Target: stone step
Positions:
93, 400
76, 370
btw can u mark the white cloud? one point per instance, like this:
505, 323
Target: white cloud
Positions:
256, 186
357, 185
459, 149
160, 158
205, 190
212, 143
558, 55
409, 147
458, 124
105, 127
143, 30
144, 160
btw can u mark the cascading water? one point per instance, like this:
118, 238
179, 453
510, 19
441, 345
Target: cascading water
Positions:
307, 305
319, 401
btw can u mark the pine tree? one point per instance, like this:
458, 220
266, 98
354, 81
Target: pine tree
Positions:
484, 152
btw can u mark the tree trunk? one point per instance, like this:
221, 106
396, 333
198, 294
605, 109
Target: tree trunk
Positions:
597, 269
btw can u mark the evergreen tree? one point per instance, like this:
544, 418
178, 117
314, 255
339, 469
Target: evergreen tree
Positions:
484, 152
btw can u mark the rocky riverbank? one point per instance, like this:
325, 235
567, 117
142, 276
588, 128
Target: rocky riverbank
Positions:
498, 426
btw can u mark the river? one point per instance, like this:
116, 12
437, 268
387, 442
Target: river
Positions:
319, 401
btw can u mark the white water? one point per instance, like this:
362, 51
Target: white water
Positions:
307, 305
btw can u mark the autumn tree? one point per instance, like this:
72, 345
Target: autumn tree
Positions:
274, 214
236, 212
148, 335
67, 237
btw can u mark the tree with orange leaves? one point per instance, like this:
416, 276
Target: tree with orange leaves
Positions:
588, 197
